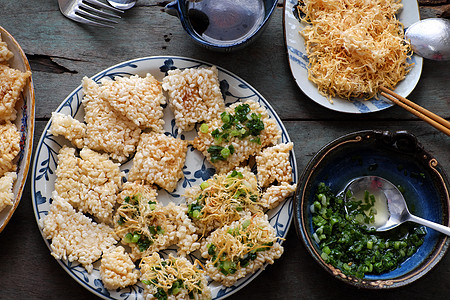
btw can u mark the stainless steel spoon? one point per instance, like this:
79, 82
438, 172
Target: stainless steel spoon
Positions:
430, 38
396, 204
122, 4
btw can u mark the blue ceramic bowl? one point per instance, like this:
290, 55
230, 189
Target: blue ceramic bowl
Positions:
198, 20
399, 158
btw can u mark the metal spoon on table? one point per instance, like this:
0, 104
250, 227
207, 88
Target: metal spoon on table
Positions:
430, 38
122, 4
396, 204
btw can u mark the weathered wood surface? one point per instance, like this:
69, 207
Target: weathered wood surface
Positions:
61, 52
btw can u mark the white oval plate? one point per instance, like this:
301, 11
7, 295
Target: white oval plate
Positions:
298, 62
196, 169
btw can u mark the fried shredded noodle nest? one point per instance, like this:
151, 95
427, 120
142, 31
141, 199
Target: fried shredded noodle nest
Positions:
354, 47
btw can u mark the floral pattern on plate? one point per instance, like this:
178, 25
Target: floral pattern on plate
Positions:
196, 169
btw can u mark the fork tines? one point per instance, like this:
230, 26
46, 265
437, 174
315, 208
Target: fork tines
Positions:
96, 12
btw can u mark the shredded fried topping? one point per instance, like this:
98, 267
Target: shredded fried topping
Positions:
141, 221
240, 241
354, 46
223, 198
172, 274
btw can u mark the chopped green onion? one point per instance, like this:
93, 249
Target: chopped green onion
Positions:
204, 185
128, 238
204, 128
195, 214
225, 117
135, 238
225, 152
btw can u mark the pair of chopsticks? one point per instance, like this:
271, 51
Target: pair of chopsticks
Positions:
426, 115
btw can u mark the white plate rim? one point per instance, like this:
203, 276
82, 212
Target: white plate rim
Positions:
282, 213
298, 62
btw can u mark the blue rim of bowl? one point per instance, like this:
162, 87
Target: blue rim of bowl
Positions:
439, 250
226, 47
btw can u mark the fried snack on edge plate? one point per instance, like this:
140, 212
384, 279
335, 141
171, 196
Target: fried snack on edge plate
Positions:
9, 147
6, 185
12, 82
5, 53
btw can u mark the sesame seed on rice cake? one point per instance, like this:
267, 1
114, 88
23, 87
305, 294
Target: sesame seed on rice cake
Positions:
159, 160
243, 147
68, 127
12, 82
194, 95
9, 146
117, 270
275, 194
6, 186
137, 98
107, 130
89, 182
239, 249
75, 236
273, 164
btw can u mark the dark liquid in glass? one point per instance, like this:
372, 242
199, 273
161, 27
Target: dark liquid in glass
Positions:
225, 21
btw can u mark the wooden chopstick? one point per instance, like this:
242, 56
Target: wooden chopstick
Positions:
426, 115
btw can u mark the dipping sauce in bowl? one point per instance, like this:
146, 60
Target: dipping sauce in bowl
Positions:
225, 25
373, 203
226, 21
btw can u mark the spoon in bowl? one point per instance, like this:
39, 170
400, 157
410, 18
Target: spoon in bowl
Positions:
122, 4
397, 210
430, 38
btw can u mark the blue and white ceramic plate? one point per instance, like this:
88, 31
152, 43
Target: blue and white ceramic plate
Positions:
196, 169
298, 62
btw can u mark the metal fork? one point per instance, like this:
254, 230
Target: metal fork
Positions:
89, 12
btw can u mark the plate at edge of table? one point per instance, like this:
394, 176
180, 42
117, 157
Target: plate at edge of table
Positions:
298, 62
24, 122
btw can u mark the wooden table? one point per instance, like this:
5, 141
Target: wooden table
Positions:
61, 52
